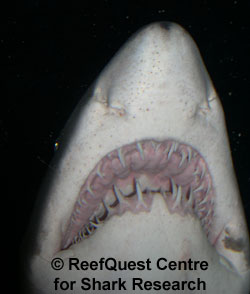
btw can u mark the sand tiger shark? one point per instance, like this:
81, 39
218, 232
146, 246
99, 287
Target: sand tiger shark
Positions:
143, 183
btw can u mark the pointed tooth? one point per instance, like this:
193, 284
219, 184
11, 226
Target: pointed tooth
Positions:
208, 212
166, 150
72, 220
74, 216
171, 150
98, 172
81, 202
196, 172
121, 157
89, 189
139, 193
92, 227
140, 149
102, 217
203, 171
174, 189
189, 154
98, 221
204, 200
153, 144
81, 235
208, 188
87, 230
66, 243
191, 197
75, 240
138, 190
209, 222
107, 208
118, 194
96, 225
158, 146
183, 157
178, 197
199, 188
78, 211
163, 193
202, 208
176, 145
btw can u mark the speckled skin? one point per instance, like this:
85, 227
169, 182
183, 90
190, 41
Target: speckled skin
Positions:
155, 88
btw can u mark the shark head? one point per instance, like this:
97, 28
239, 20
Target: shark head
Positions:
143, 173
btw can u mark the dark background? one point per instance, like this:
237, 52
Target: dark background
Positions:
52, 52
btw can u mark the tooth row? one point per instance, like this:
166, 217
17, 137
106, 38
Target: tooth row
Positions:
203, 209
87, 230
177, 197
95, 220
201, 173
186, 154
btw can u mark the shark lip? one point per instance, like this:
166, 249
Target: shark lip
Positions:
127, 178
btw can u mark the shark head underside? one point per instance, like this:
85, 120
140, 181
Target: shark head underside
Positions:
143, 172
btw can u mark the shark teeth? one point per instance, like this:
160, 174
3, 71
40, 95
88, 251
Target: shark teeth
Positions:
140, 201
140, 149
173, 189
190, 198
172, 149
127, 178
118, 194
178, 197
121, 157
183, 158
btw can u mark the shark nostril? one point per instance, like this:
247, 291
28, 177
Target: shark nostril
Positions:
175, 170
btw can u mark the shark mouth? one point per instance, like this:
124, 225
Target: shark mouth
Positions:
128, 178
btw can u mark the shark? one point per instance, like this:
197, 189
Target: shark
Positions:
142, 195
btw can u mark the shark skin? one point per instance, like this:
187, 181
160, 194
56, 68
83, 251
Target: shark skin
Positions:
143, 172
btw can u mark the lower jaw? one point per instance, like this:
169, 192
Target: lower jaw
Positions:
146, 235
149, 236
141, 237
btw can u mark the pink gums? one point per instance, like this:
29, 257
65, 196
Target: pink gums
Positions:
175, 170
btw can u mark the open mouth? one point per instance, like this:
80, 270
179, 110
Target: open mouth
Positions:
128, 178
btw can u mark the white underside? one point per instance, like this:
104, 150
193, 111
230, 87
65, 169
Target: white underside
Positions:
145, 236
